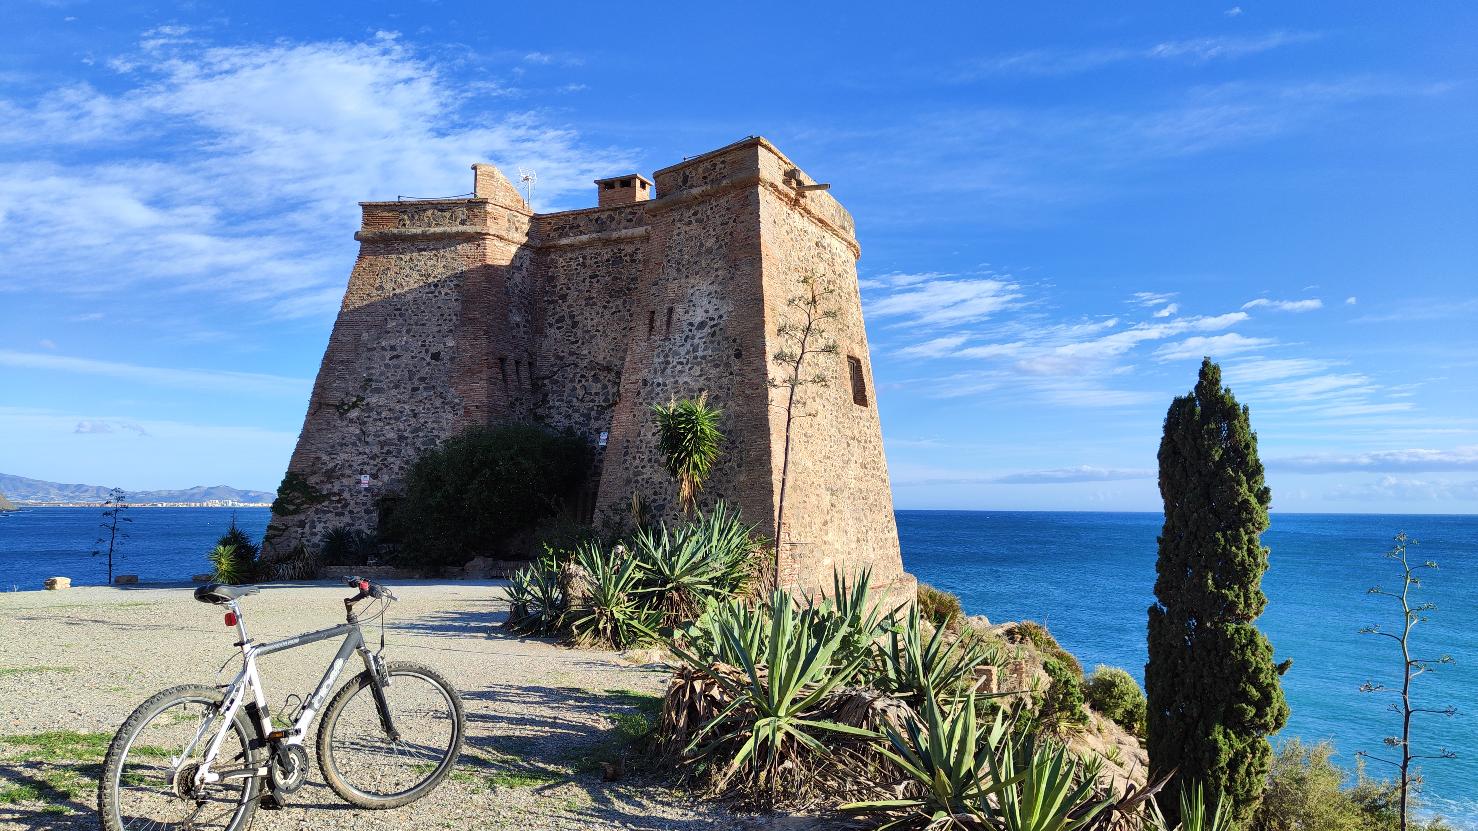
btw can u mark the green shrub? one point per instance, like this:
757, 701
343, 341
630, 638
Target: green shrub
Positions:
347, 547
939, 667
689, 438
1116, 695
1062, 704
1037, 635
1307, 791
940, 608
473, 493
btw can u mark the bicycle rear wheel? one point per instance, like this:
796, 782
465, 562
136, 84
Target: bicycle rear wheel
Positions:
364, 765
148, 774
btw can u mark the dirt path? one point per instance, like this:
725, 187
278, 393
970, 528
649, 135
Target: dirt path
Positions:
540, 716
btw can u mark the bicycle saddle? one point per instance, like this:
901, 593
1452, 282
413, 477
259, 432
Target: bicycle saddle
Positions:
222, 593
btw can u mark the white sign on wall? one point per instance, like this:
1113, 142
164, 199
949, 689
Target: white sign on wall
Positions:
363, 481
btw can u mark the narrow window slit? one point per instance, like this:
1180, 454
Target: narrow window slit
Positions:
859, 383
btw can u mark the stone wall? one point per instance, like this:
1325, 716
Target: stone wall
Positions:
475, 311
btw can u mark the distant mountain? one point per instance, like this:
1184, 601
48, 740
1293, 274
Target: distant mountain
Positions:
6, 504
36, 492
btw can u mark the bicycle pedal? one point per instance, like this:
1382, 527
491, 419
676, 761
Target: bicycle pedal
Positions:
272, 802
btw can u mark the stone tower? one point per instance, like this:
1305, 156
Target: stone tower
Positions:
476, 310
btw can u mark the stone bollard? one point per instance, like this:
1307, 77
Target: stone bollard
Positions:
56, 583
203, 578
126, 580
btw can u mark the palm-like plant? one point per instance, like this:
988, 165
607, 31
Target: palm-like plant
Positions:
768, 727
227, 567
685, 567
613, 614
689, 438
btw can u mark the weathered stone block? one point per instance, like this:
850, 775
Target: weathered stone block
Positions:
57, 583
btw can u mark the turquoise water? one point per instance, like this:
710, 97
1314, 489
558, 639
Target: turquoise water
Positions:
1088, 576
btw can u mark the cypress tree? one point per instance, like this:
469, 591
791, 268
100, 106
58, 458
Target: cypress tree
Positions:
1214, 692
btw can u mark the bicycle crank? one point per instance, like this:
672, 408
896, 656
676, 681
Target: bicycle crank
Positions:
289, 768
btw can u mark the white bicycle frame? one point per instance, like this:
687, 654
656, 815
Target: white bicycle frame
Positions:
249, 682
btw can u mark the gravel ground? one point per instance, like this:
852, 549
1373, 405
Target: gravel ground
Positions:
83, 658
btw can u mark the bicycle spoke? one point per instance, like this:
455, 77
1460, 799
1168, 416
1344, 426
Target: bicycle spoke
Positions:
370, 762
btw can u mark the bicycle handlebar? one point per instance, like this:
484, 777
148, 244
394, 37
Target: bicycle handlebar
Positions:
367, 588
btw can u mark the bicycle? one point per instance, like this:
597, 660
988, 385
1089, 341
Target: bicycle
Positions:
388, 737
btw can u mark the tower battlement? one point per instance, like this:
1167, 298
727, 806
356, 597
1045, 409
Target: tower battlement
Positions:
477, 310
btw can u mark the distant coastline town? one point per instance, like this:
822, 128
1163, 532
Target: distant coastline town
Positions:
24, 492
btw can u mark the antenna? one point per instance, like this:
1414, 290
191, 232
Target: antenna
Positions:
528, 178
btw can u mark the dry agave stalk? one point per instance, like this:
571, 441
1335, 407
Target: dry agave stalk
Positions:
857, 770
694, 699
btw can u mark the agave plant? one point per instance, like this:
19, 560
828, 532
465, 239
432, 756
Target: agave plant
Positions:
687, 566
1052, 789
948, 756
1193, 813
537, 603
704, 640
916, 669
853, 612
612, 614
770, 724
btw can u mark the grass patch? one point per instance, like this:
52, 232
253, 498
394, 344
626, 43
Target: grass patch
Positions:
59, 745
631, 730
523, 778
10, 672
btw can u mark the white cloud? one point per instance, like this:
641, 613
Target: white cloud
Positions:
1383, 461
935, 348
1350, 301
241, 382
46, 343
1407, 490
1068, 62
1258, 370
1285, 305
1052, 476
1235, 11
1168, 310
1216, 347
1149, 299
947, 301
104, 426
273, 146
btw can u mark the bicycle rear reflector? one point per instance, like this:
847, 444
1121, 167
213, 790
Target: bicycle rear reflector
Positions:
230, 618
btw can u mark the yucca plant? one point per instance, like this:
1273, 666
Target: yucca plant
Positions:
769, 728
689, 438
687, 566
613, 614
941, 667
1052, 790
227, 567
537, 603
947, 756
704, 640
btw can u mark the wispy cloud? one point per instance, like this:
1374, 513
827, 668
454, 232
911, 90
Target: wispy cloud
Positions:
93, 426
278, 142
1407, 490
1051, 476
1285, 305
1167, 311
1383, 461
225, 381
1074, 61
938, 301
1216, 347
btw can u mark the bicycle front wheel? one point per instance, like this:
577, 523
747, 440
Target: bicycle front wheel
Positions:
148, 778
370, 768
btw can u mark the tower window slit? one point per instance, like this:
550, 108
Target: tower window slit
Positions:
859, 383
668, 330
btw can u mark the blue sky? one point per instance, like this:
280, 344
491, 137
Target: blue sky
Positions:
1060, 210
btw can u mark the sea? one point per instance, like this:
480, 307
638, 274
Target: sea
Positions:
1089, 577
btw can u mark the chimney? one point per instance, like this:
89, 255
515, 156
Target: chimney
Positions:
623, 190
